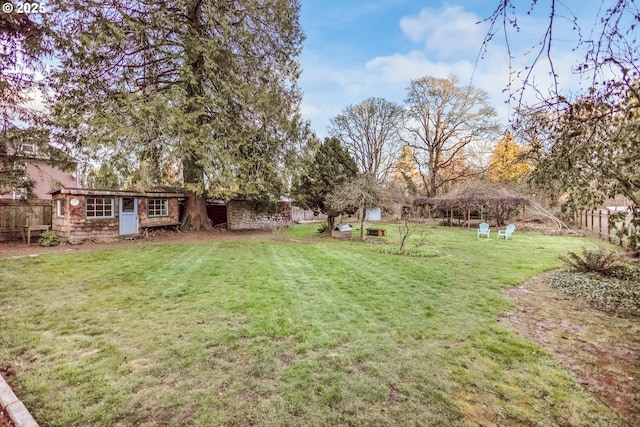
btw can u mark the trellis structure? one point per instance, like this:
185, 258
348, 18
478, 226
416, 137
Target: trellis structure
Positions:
490, 202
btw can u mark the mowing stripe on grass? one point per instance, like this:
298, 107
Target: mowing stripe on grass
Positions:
276, 333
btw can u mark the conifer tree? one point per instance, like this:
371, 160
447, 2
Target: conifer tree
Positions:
209, 84
331, 167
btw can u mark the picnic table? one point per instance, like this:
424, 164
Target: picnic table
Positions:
380, 232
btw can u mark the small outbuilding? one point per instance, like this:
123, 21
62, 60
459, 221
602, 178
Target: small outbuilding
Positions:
373, 214
101, 215
342, 231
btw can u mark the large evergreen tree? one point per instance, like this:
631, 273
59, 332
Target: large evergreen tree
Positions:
22, 46
207, 83
327, 169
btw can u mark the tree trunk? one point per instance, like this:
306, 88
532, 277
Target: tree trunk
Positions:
195, 216
331, 222
363, 214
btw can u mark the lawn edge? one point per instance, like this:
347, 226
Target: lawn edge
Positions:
16, 410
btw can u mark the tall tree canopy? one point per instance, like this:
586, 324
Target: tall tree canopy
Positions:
444, 119
23, 47
21, 44
370, 131
212, 84
405, 173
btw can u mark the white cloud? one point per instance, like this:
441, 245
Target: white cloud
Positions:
415, 64
448, 32
449, 44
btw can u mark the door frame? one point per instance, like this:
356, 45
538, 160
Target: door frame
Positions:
126, 219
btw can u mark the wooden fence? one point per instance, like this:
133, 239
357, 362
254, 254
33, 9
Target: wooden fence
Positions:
15, 214
299, 215
598, 222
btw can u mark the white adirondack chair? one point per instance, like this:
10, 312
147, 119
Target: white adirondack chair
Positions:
508, 232
483, 230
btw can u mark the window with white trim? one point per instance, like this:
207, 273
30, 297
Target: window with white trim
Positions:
99, 207
158, 207
60, 208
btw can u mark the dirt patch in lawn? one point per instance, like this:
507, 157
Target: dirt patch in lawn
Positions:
5, 421
601, 349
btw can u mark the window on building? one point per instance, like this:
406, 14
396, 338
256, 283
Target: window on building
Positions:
60, 208
128, 204
99, 207
29, 148
158, 207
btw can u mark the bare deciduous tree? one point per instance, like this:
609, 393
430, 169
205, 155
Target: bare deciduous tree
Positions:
369, 130
358, 194
595, 155
444, 120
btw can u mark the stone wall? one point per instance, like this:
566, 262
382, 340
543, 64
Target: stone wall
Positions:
241, 217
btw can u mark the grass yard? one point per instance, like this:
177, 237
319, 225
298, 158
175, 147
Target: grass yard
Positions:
285, 330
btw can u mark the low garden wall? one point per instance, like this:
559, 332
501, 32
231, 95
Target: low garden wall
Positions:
240, 216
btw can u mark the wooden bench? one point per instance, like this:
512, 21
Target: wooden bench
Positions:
380, 232
146, 228
27, 229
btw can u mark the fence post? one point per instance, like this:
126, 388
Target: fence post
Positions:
600, 223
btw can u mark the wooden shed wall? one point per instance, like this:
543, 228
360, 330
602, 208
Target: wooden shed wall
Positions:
172, 219
74, 226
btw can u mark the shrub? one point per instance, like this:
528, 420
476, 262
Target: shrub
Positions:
629, 272
598, 261
323, 228
49, 238
609, 294
412, 252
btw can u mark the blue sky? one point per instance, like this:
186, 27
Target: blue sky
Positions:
356, 49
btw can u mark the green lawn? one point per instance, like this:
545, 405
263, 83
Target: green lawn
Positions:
290, 330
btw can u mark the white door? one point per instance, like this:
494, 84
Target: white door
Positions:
128, 216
